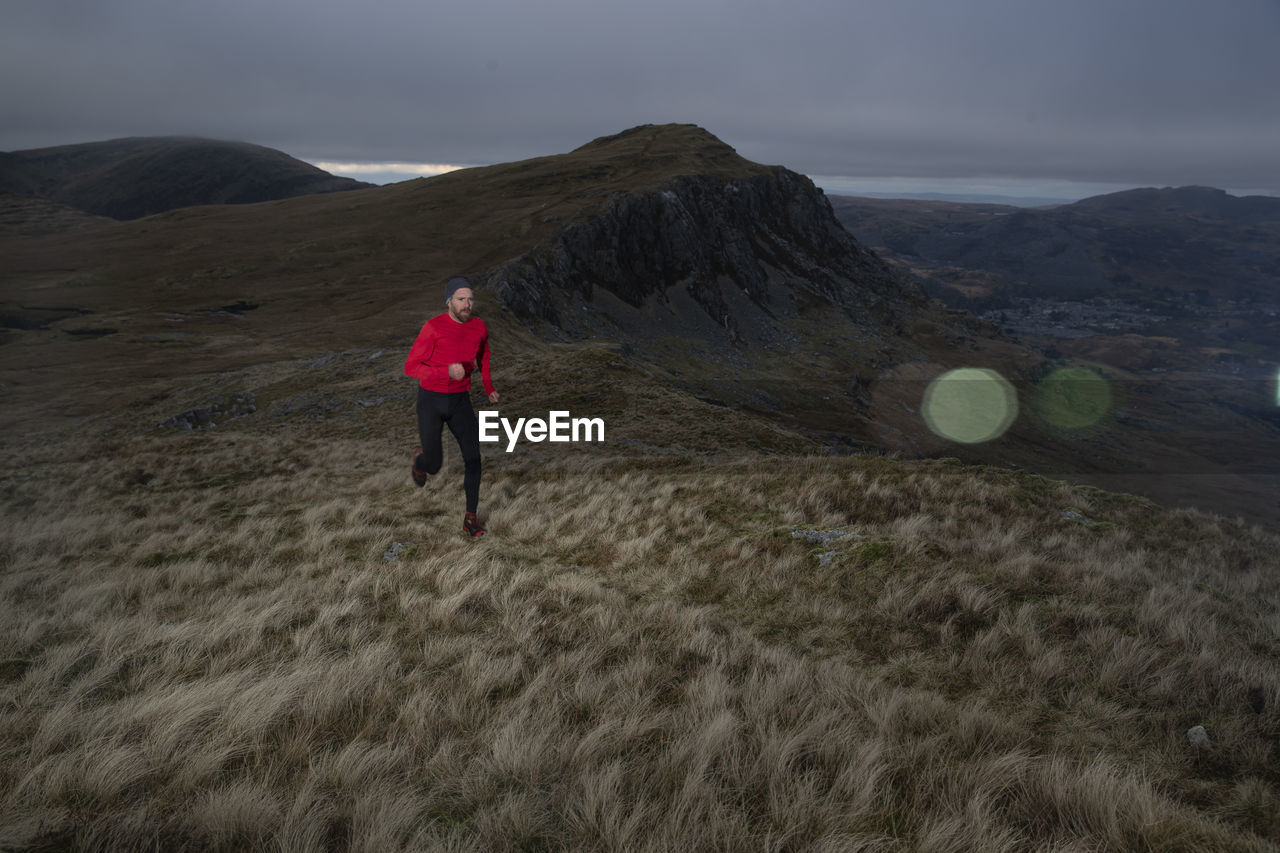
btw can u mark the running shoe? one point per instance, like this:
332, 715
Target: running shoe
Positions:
419, 476
471, 525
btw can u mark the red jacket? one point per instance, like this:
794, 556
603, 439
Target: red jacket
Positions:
444, 341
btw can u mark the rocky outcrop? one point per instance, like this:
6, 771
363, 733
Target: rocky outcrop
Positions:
211, 414
769, 237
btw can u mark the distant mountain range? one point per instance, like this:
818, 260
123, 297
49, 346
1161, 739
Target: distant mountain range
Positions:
1173, 244
1192, 265
139, 176
968, 198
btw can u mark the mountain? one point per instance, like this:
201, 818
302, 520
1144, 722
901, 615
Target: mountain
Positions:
660, 240
1205, 204
691, 297
140, 176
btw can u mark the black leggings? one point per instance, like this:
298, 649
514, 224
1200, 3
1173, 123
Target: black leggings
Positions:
435, 409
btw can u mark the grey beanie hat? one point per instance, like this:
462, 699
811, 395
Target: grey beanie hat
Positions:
454, 283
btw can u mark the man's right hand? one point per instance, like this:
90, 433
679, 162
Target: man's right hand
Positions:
457, 371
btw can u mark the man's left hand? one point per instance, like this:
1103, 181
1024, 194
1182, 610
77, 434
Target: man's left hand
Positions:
493, 398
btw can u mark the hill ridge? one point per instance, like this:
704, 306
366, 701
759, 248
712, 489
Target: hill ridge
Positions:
1177, 242
132, 177
1190, 200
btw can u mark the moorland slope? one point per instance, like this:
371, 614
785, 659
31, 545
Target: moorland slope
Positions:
228, 620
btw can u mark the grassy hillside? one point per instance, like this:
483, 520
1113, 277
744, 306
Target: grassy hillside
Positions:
247, 637
140, 301
704, 632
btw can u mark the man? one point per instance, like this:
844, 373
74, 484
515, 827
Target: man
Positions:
447, 351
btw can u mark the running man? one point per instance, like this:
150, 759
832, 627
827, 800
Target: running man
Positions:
448, 349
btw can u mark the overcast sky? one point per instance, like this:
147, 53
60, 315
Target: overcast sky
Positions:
918, 93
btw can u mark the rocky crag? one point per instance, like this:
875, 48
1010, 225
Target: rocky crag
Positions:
737, 262
764, 236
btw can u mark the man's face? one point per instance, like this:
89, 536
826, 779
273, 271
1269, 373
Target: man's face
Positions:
460, 304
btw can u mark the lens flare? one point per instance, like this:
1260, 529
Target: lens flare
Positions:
970, 405
1073, 398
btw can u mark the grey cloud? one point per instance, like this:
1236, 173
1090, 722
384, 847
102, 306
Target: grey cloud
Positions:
1177, 91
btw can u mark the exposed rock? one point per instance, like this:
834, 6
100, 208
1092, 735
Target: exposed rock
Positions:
765, 237
816, 536
393, 553
208, 416
1197, 736
1072, 515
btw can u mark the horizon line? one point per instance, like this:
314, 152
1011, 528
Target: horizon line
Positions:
1028, 190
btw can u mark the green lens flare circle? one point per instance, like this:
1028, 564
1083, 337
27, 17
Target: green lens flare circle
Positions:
970, 405
1073, 398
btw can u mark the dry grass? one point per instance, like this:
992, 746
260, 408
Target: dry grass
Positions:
202, 647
